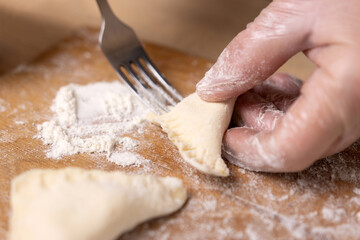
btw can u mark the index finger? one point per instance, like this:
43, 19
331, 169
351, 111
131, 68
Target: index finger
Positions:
280, 31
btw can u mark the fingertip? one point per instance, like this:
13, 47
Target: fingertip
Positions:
214, 94
237, 151
203, 90
238, 134
208, 96
236, 138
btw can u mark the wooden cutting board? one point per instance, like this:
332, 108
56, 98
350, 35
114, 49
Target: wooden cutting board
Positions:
322, 202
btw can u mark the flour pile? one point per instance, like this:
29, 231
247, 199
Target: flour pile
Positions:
93, 119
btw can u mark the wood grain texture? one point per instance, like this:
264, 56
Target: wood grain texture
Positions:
322, 202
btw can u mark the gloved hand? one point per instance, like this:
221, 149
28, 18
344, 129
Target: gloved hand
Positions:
286, 126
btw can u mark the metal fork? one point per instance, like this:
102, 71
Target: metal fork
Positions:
127, 56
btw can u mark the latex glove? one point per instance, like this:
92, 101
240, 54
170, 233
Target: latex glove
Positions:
285, 129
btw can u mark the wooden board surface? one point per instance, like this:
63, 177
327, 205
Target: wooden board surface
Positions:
322, 202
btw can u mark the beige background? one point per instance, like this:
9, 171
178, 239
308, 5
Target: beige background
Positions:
199, 27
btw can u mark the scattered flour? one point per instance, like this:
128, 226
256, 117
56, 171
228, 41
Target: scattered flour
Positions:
356, 191
93, 119
19, 122
358, 217
127, 158
332, 214
3, 105
128, 143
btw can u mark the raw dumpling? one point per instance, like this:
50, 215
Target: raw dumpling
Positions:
197, 127
78, 204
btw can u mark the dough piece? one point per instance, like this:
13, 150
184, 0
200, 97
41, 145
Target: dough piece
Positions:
78, 204
197, 127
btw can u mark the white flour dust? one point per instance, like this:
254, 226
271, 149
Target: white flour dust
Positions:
93, 119
127, 158
3, 105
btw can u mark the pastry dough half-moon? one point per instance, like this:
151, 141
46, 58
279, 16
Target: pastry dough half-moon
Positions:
78, 204
197, 127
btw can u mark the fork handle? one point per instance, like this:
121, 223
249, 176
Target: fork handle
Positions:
110, 18
105, 9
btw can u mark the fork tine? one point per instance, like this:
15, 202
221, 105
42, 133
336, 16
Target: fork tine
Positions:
123, 76
154, 86
140, 89
124, 51
144, 100
161, 79
144, 93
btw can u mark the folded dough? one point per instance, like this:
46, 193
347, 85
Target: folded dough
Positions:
197, 127
78, 204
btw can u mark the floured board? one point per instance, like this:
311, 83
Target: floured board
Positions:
322, 202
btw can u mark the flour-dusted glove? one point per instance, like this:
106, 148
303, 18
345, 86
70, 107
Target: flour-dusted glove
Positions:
286, 126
